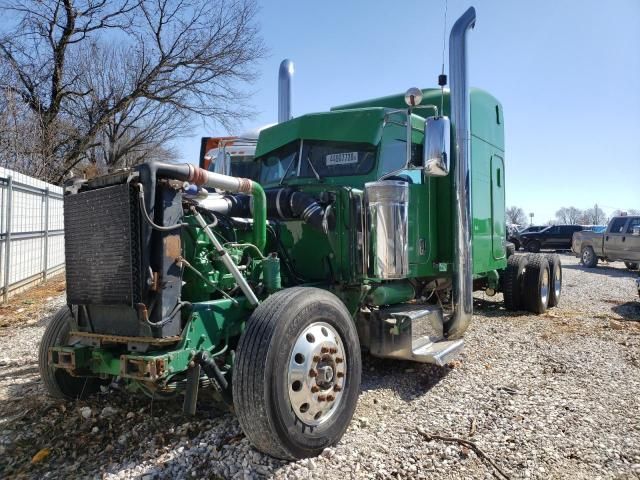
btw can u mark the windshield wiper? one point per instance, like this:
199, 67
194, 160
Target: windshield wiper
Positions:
286, 172
313, 169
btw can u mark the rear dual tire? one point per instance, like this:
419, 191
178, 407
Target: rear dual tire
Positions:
532, 282
536, 284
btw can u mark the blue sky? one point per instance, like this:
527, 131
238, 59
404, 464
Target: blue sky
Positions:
566, 72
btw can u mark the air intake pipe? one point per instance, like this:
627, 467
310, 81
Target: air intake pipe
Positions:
455, 326
190, 173
285, 76
286, 203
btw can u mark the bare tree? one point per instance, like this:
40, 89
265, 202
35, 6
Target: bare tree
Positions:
569, 215
190, 54
516, 215
593, 216
141, 131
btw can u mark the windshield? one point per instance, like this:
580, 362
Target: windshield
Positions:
244, 166
318, 159
336, 159
276, 164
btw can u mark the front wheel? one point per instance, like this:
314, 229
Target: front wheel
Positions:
631, 265
58, 382
296, 377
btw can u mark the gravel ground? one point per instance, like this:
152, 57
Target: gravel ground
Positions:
554, 396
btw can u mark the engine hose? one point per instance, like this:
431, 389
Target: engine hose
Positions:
179, 306
146, 216
287, 204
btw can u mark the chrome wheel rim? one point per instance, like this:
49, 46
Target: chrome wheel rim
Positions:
317, 373
544, 287
586, 256
557, 282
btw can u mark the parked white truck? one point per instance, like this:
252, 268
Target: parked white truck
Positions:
620, 241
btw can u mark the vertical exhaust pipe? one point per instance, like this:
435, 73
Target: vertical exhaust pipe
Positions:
285, 76
460, 114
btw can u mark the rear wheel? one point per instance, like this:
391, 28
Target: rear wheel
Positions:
588, 257
58, 382
631, 265
512, 284
555, 278
533, 246
296, 376
536, 284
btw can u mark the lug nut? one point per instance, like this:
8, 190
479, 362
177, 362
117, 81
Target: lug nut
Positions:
337, 388
316, 358
315, 389
330, 398
324, 350
313, 373
333, 350
322, 398
340, 374
339, 360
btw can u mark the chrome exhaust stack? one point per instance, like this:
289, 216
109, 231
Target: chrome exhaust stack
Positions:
456, 325
285, 76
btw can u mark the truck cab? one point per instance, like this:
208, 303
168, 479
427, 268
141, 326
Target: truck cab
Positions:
352, 145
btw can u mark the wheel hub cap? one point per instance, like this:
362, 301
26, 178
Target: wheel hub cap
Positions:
557, 282
317, 373
544, 287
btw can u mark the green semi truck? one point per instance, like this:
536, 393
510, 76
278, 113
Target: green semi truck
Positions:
369, 228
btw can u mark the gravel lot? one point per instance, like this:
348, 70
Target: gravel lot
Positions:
555, 396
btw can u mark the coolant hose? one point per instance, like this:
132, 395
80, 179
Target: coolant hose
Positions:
259, 216
200, 176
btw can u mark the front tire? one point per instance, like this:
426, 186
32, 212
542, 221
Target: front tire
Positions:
588, 257
296, 377
631, 265
58, 382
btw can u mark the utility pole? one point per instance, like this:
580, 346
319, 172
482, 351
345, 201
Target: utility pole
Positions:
531, 216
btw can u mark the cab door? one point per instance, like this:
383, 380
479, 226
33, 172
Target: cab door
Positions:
613, 243
498, 233
631, 242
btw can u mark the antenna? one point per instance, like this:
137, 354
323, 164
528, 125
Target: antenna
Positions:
442, 78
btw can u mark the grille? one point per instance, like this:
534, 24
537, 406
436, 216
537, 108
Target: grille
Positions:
102, 247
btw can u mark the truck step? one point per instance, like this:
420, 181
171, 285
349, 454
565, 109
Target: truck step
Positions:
439, 353
412, 332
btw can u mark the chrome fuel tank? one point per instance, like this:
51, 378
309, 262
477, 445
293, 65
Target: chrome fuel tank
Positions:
387, 229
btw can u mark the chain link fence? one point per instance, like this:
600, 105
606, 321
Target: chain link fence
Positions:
31, 231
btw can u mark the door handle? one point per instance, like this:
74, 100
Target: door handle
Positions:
623, 238
606, 238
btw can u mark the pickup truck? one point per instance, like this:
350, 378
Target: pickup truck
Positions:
620, 241
556, 237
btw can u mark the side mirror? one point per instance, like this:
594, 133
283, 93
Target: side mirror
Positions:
437, 143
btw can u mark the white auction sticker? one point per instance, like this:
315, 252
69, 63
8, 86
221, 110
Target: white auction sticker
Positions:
342, 158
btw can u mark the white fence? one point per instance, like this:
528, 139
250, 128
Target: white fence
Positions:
31, 231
